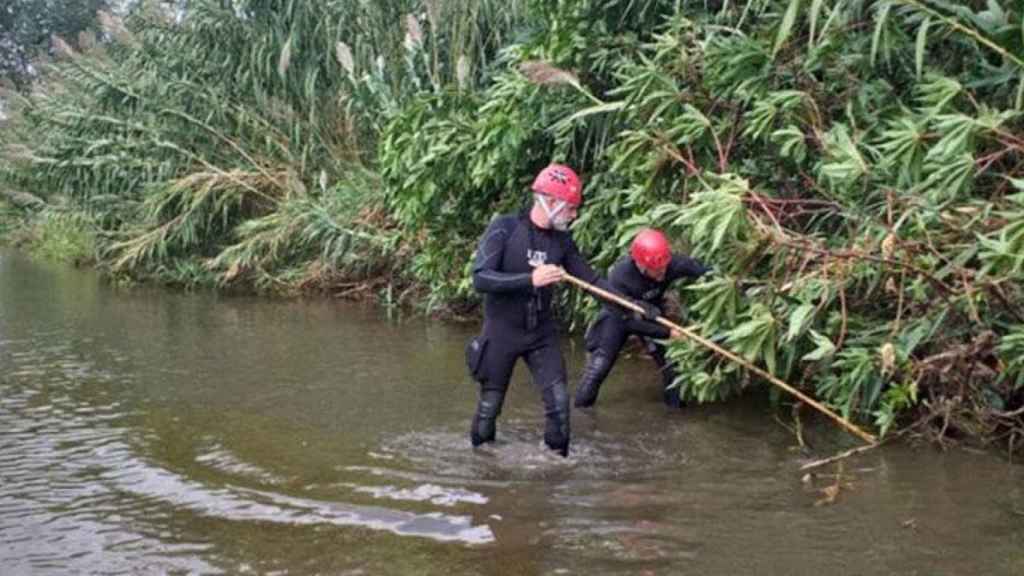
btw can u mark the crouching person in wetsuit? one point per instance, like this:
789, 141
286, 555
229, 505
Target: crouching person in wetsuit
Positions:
644, 276
518, 260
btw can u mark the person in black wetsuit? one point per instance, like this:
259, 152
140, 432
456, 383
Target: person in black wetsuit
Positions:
643, 275
518, 259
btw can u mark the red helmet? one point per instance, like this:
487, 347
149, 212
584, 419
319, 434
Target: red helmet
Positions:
559, 182
650, 249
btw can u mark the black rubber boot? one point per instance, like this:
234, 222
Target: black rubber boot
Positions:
594, 373
488, 408
669, 393
672, 399
556, 413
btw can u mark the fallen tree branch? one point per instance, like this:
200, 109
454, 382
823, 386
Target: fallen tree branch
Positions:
840, 456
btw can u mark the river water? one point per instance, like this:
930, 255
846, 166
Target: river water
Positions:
146, 431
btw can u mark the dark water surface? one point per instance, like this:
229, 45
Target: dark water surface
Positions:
152, 432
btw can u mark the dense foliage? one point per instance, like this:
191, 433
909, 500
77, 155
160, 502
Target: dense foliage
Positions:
853, 169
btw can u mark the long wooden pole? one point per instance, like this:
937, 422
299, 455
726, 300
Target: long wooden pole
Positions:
726, 353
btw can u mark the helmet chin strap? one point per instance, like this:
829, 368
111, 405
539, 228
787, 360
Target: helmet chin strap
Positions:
552, 212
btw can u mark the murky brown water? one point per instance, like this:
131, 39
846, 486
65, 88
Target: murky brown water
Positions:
153, 432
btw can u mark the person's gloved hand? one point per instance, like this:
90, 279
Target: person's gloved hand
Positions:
650, 311
707, 271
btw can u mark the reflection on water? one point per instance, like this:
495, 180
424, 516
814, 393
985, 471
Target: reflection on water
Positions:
148, 432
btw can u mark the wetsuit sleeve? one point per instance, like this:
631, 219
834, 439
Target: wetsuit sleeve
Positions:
619, 278
486, 274
648, 329
684, 267
576, 265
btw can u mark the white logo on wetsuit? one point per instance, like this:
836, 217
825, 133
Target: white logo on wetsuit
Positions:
536, 258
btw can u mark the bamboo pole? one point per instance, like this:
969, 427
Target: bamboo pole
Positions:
726, 353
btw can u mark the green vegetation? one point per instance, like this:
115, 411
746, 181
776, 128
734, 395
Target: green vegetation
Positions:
62, 237
8, 220
853, 169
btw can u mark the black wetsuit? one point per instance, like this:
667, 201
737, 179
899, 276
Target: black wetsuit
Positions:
613, 326
518, 322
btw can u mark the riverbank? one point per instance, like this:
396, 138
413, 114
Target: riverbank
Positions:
944, 420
